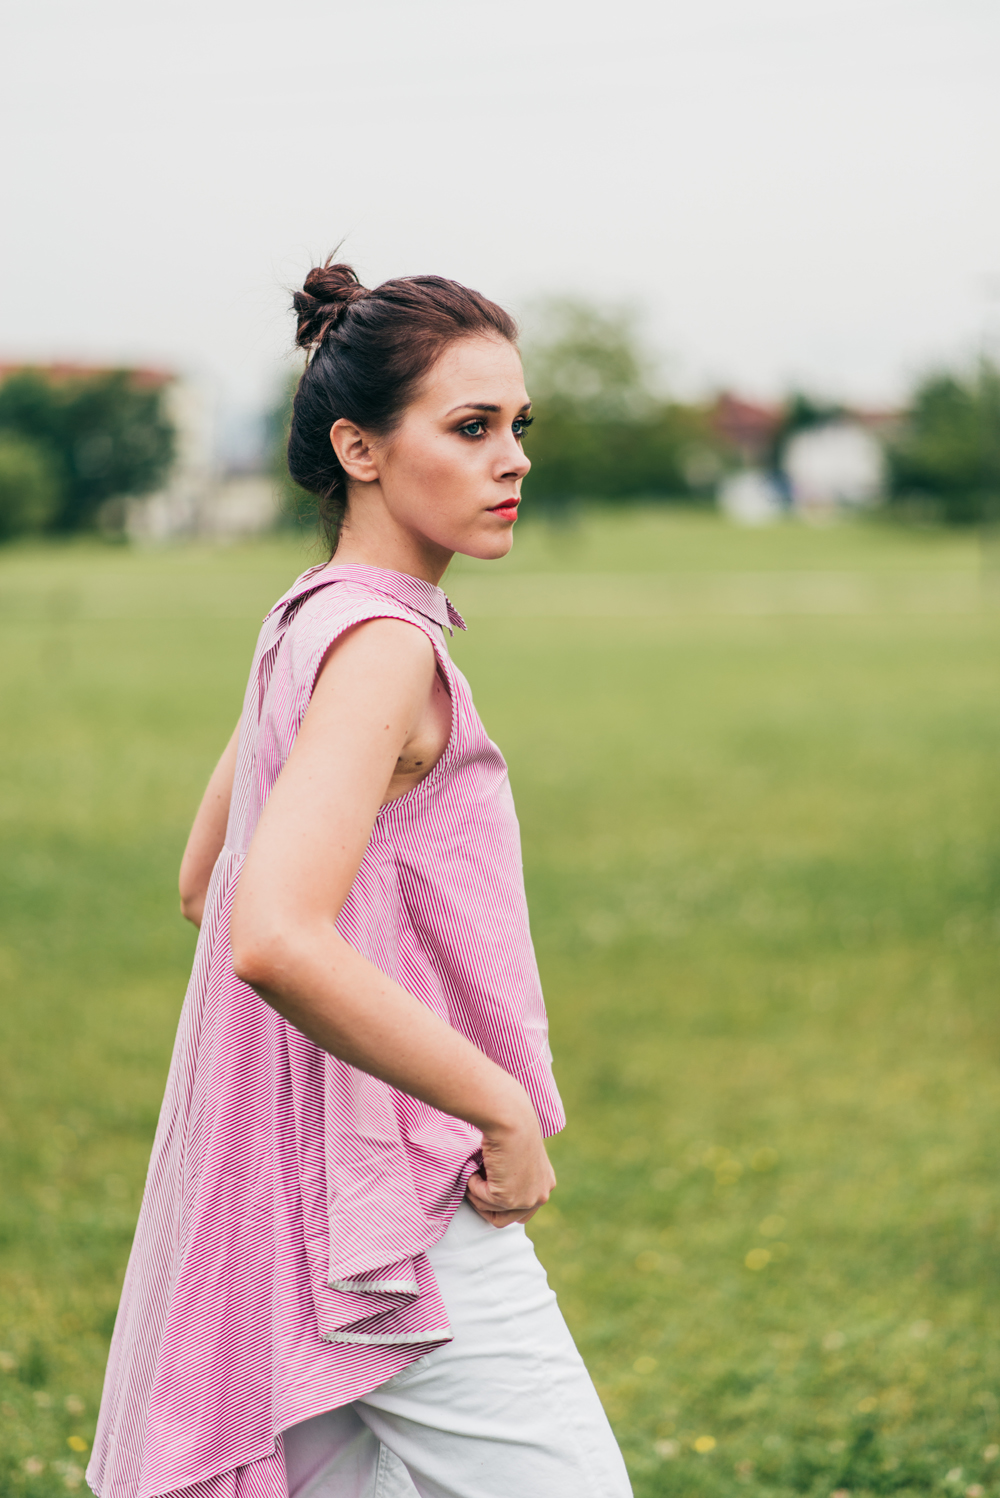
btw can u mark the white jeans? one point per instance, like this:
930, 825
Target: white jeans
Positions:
505, 1410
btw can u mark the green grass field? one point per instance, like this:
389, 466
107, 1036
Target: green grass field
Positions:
757, 781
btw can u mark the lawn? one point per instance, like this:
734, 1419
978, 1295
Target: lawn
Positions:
757, 781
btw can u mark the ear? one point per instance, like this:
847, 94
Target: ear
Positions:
354, 451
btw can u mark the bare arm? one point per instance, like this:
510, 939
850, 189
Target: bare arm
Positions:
208, 833
302, 862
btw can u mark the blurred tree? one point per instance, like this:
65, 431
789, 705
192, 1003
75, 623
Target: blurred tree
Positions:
588, 361
602, 431
946, 457
105, 435
29, 487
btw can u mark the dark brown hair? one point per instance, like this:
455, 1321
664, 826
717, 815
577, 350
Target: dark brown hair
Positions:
368, 351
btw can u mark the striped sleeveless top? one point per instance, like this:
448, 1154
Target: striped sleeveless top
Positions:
279, 1266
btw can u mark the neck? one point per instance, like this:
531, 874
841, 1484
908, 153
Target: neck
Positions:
369, 537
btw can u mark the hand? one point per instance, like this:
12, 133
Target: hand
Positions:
516, 1176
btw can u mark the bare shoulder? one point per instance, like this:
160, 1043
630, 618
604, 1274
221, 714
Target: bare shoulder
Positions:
388, 657
380, 695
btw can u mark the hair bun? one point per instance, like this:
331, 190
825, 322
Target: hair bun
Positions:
326, 294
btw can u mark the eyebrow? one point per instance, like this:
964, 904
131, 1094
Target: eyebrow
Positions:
480, 406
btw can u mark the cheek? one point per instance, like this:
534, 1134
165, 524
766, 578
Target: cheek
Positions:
442, 467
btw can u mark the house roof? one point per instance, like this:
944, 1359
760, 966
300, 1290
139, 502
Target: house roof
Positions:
64, 371
745, 424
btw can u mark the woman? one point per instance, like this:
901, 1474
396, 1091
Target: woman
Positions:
331, 1293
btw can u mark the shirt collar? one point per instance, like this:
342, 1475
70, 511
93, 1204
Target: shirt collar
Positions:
412, 592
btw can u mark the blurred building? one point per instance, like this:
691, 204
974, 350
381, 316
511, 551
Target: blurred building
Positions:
750, 497
835, 461
201, 498
177, 509
841, 463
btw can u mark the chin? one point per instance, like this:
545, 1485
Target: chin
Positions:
489, 548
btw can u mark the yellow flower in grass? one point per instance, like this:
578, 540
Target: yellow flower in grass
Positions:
704, 1444
644, 1364
76, 1443
758, 1258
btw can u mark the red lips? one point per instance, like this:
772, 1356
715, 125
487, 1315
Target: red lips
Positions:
508, 509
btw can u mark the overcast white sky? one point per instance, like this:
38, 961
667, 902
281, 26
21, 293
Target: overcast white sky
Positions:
793, 190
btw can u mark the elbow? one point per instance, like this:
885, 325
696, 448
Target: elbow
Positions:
251, 959
192, 893
258, 952
193, 907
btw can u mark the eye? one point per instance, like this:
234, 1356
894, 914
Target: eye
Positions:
521, 424
475, 428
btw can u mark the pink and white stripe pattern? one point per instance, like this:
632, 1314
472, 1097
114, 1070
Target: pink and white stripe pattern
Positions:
279, 1264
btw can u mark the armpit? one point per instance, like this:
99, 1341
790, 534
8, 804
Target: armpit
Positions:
427, 744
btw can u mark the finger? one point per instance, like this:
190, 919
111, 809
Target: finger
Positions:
486, 1214
498, 1220
496, 1213
485, 1196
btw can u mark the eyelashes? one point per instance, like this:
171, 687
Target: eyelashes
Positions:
519, 426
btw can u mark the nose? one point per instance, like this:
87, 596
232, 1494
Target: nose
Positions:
514, 464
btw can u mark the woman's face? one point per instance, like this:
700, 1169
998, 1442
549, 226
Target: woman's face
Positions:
450, 474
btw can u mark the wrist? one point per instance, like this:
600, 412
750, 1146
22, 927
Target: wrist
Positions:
511, 1115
